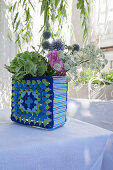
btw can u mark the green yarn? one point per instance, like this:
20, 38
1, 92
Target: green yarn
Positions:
24, 120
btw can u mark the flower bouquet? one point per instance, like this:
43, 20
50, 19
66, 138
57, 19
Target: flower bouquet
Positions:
39, 80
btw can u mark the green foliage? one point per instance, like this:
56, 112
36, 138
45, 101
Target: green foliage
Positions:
54, 11
21, 21
84, 7
108, 76
57, 62
27, 64
88, 75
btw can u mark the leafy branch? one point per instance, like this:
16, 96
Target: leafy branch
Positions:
54, 15
53, 12
84, 7
21, 21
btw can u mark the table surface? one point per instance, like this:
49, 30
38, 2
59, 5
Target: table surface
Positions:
74, 146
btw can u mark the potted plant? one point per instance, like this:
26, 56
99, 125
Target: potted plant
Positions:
39, 82
101, 85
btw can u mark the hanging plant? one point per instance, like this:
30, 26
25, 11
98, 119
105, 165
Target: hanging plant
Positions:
54, 15
21, 21
53, 12
84, 7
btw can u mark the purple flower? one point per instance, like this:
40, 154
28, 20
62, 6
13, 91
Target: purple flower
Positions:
54, 61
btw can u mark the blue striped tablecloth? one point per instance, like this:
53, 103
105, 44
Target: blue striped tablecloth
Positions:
74, 146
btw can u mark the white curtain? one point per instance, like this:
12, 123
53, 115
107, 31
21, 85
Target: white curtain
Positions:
101, 21
7, 52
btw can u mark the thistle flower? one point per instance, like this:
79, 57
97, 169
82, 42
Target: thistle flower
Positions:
45, 45
46, 34
57, 44
76, 47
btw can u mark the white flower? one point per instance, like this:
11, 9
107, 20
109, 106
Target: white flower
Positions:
60, 52
57, 67
73, 69
70, 62
92, 66
61, 56
84, 65
105, 61
68, 56
68, 78
76, 58
66, 66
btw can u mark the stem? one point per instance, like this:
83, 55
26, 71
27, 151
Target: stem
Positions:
84, 61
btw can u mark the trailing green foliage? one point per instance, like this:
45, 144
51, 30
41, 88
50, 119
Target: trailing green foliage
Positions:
54, 15
54, 11
21, 21
84, 7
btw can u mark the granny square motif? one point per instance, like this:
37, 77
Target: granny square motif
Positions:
40, 101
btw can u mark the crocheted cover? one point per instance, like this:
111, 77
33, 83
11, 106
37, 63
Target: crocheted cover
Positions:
40, 101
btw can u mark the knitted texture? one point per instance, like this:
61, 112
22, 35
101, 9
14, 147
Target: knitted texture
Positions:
40, 101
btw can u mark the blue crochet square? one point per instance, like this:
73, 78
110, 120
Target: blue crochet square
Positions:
35, 102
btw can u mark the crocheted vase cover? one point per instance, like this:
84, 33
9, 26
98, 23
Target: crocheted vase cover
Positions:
40, 101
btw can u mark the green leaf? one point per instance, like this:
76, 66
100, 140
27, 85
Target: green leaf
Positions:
10, 9
43, 7
17, 25
14, 6
31, 5
16, 16
28, 16
9, 37
56, 2
24, 2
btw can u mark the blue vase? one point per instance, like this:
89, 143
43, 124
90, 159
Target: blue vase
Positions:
40, 101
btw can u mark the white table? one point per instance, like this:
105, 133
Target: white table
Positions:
74, 146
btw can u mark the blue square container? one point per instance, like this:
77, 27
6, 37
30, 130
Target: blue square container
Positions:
40, 101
